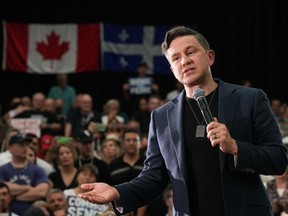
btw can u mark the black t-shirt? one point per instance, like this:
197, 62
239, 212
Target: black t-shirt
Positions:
203, 164
44, 116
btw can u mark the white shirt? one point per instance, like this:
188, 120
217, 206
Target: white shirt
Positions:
6, 156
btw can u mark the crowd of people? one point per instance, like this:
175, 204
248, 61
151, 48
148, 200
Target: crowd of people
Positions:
53, 143
62, 138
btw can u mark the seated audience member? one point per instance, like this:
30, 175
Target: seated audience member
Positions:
35, 144
86, 174
26, 181
64, 177
110, 150
128, 165
5, 155
168, 199
5, 200
31, 155
44, 206
46, 141
57, 201
51, 148
34, 211
86, 155
278, 193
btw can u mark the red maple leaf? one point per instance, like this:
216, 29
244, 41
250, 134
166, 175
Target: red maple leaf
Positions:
53, 50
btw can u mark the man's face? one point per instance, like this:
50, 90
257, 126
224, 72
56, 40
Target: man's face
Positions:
57, 201
131, 143
5, 199
86, 148
189, 61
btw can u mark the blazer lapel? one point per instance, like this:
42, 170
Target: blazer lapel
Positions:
175, 123
227, 104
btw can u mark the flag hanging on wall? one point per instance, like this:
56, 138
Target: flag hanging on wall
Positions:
51, 48
123, 47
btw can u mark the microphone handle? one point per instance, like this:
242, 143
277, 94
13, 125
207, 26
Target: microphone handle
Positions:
205, 110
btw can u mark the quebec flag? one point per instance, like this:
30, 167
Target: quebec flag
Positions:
123, 47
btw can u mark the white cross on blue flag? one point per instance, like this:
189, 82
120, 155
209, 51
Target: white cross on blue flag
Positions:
123, 47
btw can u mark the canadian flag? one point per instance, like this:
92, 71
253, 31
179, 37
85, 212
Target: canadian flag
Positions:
50, 49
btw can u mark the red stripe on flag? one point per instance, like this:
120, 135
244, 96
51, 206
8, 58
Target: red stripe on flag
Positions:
88, 47
16, 47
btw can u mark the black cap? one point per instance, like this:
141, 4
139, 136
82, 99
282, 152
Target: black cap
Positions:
85, 137
18, 138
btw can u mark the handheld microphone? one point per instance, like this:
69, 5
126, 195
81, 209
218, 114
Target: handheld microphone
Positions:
199, 96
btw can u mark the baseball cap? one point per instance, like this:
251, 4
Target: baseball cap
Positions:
19, 138
85, 137
46, 141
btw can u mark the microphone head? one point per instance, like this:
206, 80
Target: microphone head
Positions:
198, 93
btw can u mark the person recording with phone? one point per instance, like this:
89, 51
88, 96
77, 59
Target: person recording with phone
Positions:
214, 169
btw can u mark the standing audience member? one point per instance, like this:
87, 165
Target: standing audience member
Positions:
26, 101
50, 106
48, 120
137, 87
26, 181
5, 200
214, 169
143, 118
80, 119
15, 107
113, 118
62, 90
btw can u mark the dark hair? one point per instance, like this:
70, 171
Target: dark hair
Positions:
131, 130
142, 64
166, 193
179, 31
92, 168
31, 135
4, 185
34, 211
